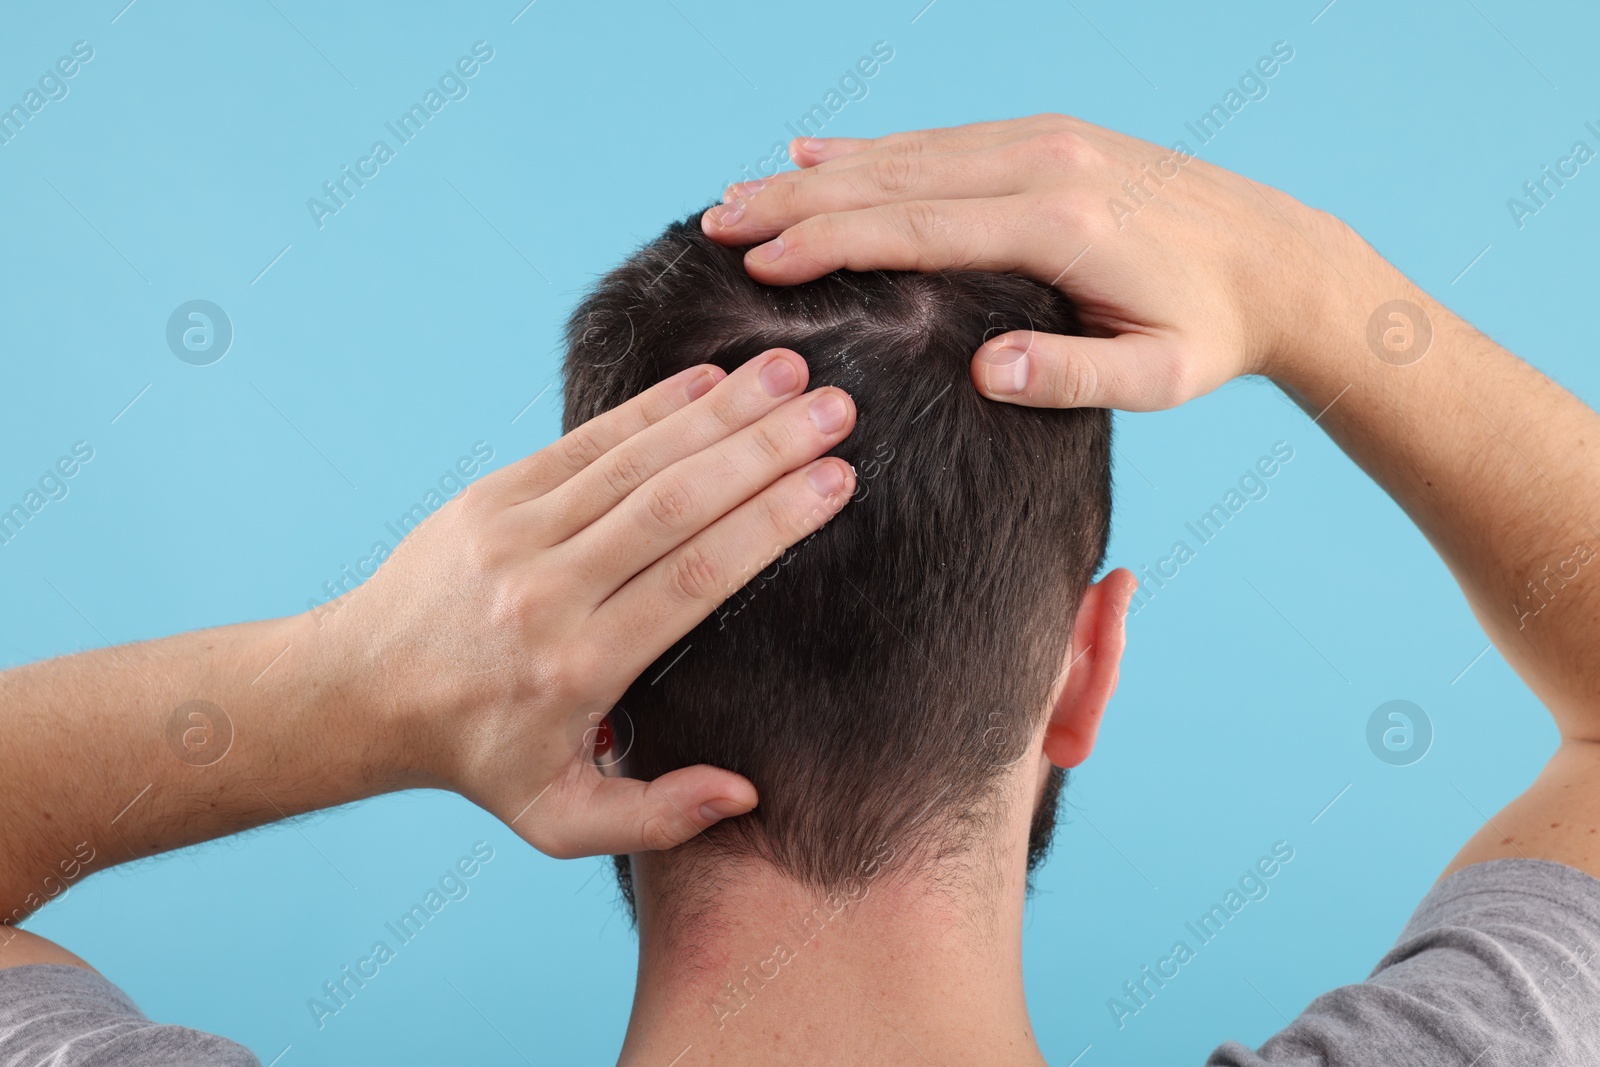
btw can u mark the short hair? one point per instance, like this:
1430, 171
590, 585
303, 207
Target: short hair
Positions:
875, 680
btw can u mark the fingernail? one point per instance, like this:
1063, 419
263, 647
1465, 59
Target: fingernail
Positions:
742, 190
812, 144
828, 412
826, 478
1005, 371
712, 810
701, 384
779, 376
768, 252
728, 213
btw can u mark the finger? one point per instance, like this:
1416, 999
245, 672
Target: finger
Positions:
695, 492
535, 475
1043, 143
659, 606
928, 235
1131, 372
746, 395
625, 815
882, 179
812, 151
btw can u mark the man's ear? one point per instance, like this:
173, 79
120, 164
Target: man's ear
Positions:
1093, 662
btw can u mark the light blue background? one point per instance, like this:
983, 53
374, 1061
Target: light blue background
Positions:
425, 316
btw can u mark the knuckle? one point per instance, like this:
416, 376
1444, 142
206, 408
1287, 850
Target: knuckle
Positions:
476, 500
780, 198
781, 518
895, 175
669, 506
1174, 383
515, 609
488, 554
1063, 147
625, 473
562, 678
557, 844
574, 673
578, 449
1061, 210
821, 240
1074, 382
911, 146
694, 575
771, 444
657, 832
922, 222
470, 497
1081, 213
729, 409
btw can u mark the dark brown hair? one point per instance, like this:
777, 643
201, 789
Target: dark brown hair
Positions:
877, 677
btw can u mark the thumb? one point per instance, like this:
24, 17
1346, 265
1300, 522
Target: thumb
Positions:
1132, 371
624, 815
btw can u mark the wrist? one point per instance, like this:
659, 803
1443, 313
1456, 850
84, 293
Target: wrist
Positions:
1340, 283
373, 729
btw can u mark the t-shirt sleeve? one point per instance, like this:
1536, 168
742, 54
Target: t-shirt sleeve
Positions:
1499, 966
73, 1017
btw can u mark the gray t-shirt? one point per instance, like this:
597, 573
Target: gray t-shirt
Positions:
1498, 967
70, 1017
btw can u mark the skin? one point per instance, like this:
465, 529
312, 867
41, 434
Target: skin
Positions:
922, 963
1214, 277
478, 659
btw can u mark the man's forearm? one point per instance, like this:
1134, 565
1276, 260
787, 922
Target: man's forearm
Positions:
1498, 465
125, 752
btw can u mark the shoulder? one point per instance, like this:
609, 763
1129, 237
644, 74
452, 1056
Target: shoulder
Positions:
56, 1009
1500, 957
19, 948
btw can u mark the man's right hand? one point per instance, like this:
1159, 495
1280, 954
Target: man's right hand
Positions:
1188, 275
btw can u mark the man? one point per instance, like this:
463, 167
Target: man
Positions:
1496, 464
911, 963
478, 659
896, 686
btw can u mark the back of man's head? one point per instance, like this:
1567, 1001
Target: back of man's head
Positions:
877, 679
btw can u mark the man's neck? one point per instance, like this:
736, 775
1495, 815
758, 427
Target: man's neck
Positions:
881, 972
